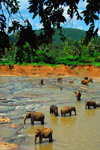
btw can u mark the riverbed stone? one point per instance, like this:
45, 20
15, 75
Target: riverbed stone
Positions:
7, 146
4, 120
2, 98
29, 110
17, 125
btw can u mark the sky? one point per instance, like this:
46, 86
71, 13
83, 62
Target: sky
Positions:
74, 23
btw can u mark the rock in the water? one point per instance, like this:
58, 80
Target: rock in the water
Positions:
4, 120
2, 98
5, 146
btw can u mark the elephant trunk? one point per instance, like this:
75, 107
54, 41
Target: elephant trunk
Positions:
24, 120
35, 138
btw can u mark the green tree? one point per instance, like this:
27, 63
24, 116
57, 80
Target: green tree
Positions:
51, 16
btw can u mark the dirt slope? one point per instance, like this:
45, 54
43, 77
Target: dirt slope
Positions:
43, 70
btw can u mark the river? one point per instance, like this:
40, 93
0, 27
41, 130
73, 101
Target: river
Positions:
80, 132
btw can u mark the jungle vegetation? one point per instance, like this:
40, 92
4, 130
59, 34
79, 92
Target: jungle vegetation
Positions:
29, 46
71, 52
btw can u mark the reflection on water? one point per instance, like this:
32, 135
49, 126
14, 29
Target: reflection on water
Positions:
68, 121
70, 132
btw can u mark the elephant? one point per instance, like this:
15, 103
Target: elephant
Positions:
90, 103
59, 79
86, 78
90, 80
35, 116
43, 133
84, 82
41, 81
54, 109
71, 81
67, 109
78, 94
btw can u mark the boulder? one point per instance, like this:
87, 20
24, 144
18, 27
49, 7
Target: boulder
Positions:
7, 146
4, 120
2, 98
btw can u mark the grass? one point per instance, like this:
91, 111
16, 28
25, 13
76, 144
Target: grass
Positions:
96, 63
77, 72
11, 62
25, 64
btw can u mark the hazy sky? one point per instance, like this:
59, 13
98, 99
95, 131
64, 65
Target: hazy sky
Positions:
74, 23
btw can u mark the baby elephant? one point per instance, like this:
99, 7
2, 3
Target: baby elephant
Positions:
35, 116
90, 103
78, 94
54, 110
43, 133
67, 109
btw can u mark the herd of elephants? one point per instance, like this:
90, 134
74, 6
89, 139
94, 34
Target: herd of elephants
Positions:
39, 116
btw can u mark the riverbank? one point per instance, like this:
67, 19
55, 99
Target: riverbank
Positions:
43, 70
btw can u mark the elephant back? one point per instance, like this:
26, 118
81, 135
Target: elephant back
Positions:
38, 114
67, 108
47, 130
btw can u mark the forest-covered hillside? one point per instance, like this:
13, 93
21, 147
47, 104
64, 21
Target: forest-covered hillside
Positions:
71, 52
71, 33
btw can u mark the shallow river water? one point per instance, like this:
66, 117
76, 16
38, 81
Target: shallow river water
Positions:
80, 132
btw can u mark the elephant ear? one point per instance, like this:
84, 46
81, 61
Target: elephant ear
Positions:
37, 132
28, 115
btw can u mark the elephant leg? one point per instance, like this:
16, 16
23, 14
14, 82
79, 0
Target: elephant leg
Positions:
88, 106
35, 139
40, 139
64, 114
32, 121
61, 114
50, 138
42, 121
50, 111
70, 113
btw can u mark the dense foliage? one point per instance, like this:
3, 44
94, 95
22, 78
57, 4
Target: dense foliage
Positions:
51, 15
71, 52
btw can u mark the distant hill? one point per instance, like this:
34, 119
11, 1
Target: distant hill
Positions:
73, 34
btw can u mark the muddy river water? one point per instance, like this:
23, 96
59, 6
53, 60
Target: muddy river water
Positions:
80, 132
